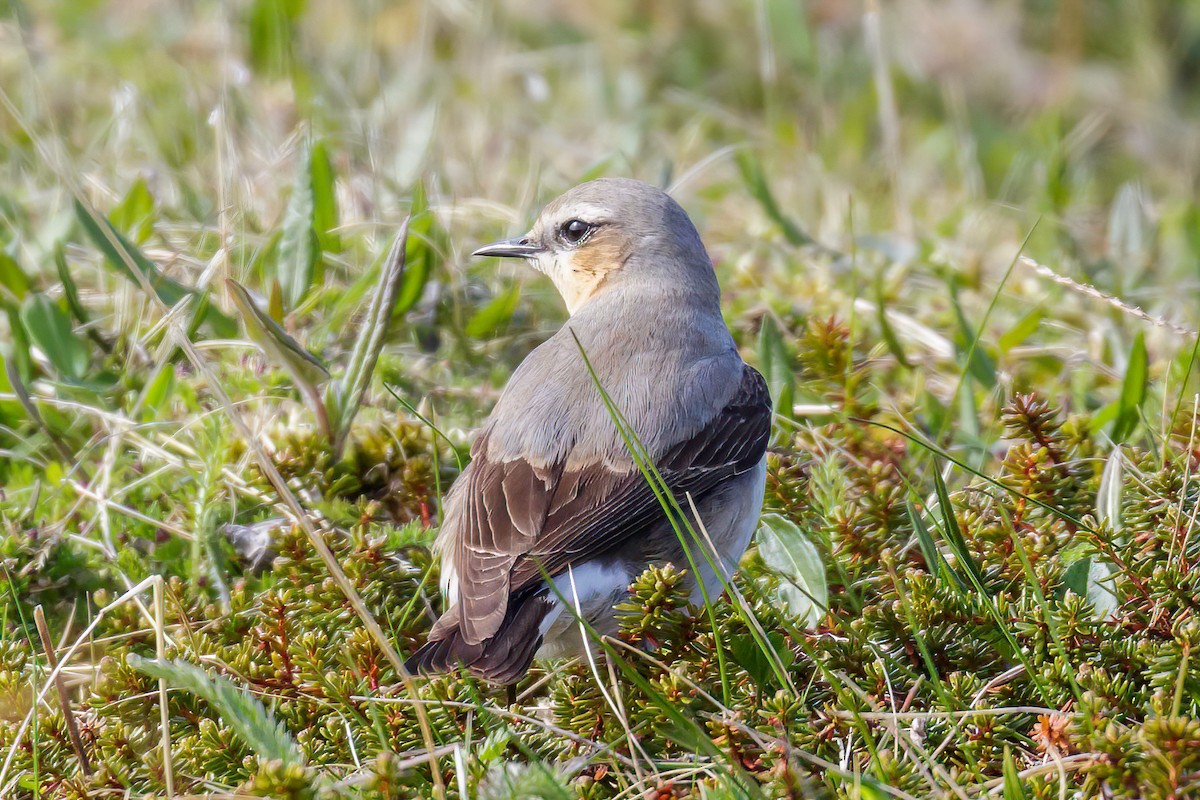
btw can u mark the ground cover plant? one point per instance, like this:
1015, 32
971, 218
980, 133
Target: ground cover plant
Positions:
959, 239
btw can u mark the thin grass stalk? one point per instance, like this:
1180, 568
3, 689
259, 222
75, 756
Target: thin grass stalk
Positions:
160, 652
64, 697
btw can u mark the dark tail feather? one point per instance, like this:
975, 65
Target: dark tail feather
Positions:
503, 659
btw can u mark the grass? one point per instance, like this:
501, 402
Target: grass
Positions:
960, 241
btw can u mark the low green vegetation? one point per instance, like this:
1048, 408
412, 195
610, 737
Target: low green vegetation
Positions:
960, 240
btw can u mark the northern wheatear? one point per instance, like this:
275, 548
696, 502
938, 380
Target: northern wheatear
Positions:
552, 488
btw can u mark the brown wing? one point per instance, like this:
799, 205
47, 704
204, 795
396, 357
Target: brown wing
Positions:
518, 520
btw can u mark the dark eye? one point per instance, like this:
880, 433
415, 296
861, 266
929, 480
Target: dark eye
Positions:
574, 231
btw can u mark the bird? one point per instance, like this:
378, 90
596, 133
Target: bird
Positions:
552, 518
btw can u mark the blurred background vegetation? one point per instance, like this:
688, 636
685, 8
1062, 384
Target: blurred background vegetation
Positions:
865, 175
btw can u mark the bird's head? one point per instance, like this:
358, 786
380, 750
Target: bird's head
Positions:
614, 234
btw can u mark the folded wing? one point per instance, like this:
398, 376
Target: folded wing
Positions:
516, 521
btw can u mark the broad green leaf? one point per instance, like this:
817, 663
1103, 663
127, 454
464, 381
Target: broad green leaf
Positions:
749, 654
49, 328
1076, 576
776, 361
238, 709
306, 371
125, 257
495, 315
756, 183
1104, 416
786, 550
1097, 584
299, 251
134, 215
325, 210
121, 255
1133, 391
12, 277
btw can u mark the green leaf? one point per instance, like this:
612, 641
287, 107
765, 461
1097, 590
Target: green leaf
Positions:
126, 258
871, 789
10, 410
134, 215
934, 561
275, 303
1076, 576
749, 654
299, 251
1013, 789
786, 550
953, 535
419, 254
756, 183
12, 277
325, 210
244, 715
280, 347
776, 361
495, 315
159, 388
1133, 391
1021, 331
305, 369
272, 31
49, 328
18, 353
349, 391
70, 289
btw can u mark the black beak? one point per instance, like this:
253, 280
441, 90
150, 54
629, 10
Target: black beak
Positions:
511, 248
